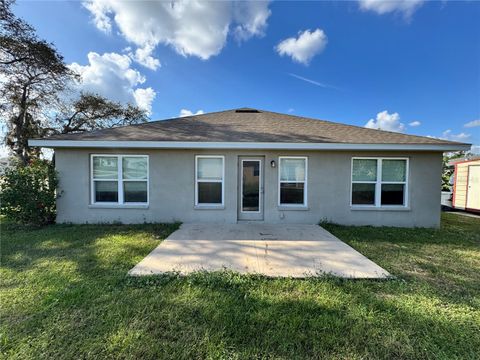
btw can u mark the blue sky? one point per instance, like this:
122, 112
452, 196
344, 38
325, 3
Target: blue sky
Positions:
409, 66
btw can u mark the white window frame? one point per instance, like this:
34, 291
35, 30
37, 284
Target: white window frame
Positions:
120, 181
305, 183
378, 183
210, 205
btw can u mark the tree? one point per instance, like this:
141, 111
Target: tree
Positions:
34, 74
447, 171
38, 91
90, 112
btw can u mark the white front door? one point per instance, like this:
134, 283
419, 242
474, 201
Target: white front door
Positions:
250, 190
473, 189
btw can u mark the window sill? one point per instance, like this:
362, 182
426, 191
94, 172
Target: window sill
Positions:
118, 206
209, 207
293, 208
382, 208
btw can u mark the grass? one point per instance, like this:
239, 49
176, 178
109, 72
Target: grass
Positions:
64, 293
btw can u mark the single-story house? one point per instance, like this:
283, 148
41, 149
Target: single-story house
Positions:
248, 165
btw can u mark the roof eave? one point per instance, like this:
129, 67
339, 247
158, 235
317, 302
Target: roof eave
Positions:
242, 145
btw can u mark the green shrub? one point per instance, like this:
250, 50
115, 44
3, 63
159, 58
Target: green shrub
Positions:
28, 193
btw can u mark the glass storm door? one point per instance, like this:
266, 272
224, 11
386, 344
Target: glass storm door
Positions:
250, 188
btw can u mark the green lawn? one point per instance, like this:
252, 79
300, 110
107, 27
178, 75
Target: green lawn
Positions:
65, 294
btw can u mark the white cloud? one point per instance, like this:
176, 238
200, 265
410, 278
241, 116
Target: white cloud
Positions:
111, 75
386, 121
144, 98
303, 48
186, 112
473, 123
405, 7
448, 135
144, 57
191, 28
100, 16
475, 149
251, 18
414, 123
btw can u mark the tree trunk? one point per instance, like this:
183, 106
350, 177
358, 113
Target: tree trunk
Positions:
20, 126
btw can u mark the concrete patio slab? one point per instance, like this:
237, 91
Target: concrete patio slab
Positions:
270, 249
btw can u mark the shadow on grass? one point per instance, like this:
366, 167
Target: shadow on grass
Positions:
23, 247
252, 316
445, 260
223, 315
70, 297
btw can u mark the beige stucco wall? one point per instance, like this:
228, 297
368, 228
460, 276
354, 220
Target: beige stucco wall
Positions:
171, 192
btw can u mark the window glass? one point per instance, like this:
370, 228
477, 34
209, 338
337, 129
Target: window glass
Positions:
135, 167
363, 194
364, 170
135, 191
119, 185
209, 180
368, 188
106, 191
393, 194
105, 167
292, 169
394, 170
251, 185
209, 168
209, 192
292, 193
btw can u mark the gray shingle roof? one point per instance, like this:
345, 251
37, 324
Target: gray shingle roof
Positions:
249, 125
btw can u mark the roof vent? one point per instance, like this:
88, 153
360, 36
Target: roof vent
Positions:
247, 110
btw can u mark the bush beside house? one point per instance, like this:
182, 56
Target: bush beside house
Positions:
28, 193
